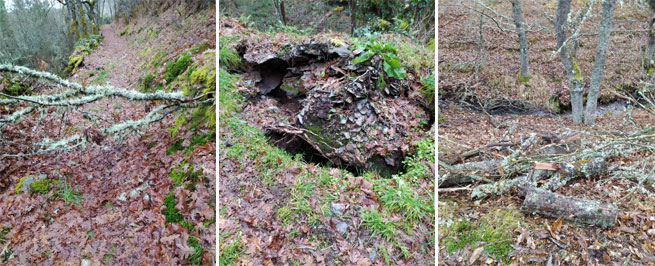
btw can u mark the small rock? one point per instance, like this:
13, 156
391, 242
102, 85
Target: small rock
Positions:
360, 121
346, 135
343, 121
272, 109
30, 180
85, 262
373, 255
122, 197
650, 232
342, 228
338, 208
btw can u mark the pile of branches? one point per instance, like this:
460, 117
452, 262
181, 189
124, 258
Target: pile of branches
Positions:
542, 163
69, 97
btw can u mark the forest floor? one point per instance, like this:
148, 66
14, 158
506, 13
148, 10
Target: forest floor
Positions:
278, 208
107, 203
493, 230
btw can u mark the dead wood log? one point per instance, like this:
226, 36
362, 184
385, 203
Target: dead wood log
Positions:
570, 208
531, 148
569, 171
467, 172
559, 178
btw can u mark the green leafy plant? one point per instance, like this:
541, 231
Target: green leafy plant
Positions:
391, 64
68, 193
401, 197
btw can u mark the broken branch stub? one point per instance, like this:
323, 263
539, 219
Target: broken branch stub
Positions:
353, 115
570, 208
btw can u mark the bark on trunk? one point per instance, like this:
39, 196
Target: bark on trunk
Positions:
465, 173
576, 82
577, 103
649, 57
351, 6
572, 209
599, 65
283, 13
524, 73
556, 179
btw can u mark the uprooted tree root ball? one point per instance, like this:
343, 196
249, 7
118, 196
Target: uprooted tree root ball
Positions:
342, 103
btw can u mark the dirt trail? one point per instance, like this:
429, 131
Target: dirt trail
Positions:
115, 51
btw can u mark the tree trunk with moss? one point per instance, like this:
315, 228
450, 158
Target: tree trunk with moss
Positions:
576, 82
91, 5
524, 73
599, 65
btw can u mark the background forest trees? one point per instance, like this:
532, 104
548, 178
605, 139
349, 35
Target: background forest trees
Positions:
42, 33
414, 18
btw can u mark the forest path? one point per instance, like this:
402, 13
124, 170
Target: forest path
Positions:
120, 183
115, 56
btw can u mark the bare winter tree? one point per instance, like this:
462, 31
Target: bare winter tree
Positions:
524, 73
599, 64
567, 47
505, 23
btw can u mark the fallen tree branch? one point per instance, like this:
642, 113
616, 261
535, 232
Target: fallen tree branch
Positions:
78, 95
570, 208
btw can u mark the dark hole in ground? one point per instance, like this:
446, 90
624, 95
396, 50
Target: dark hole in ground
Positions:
271, 72
295, 145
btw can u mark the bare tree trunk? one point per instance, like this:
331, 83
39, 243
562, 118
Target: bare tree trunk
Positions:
351, 6
576, 82
599, 65
649, 56
524, 73
283, 13
278, 11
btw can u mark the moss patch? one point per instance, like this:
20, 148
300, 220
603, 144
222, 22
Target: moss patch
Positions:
16, 88
493, 231
174, 69
172, 215
42, 186
19, 186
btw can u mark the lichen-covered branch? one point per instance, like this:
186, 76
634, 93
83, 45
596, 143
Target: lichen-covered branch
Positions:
75, 96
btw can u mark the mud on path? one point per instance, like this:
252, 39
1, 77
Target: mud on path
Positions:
122, 184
